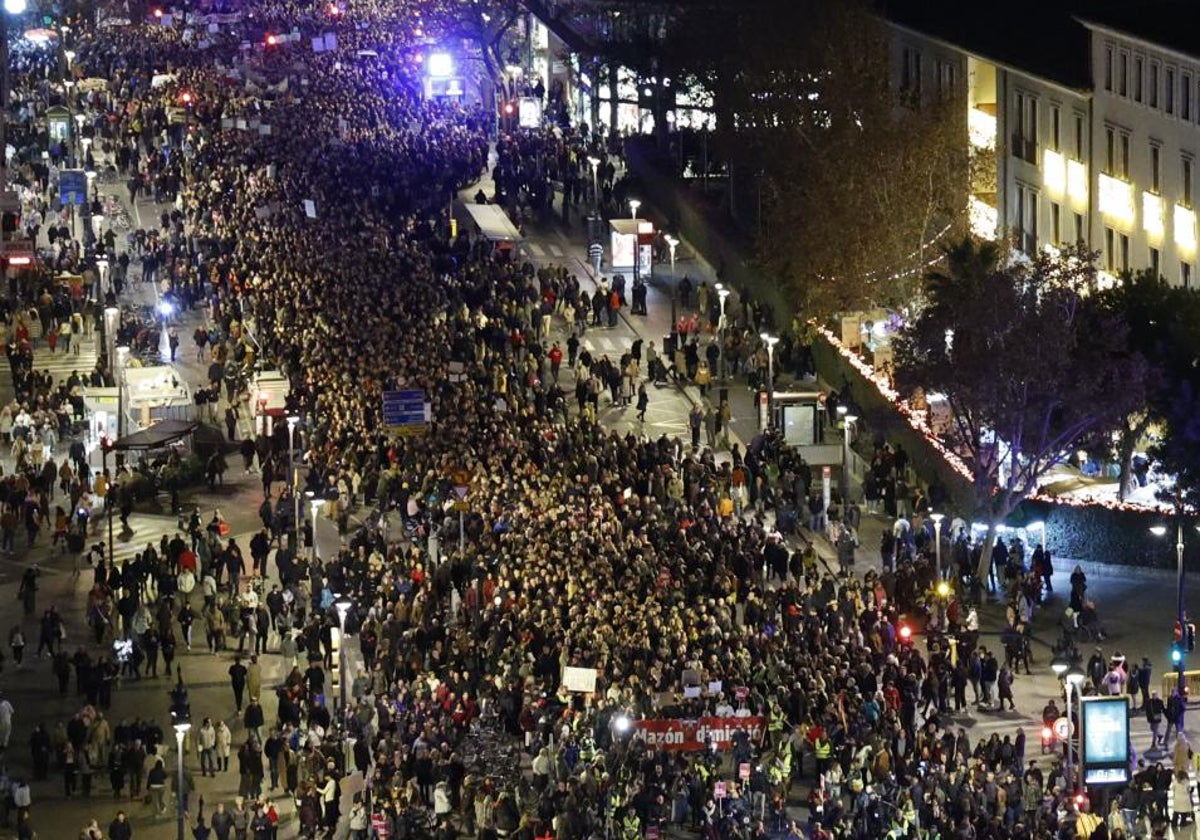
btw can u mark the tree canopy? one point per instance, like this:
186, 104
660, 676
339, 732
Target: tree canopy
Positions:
1029, 358
863, 187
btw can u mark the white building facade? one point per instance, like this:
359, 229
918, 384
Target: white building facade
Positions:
1146, 124
1030, 139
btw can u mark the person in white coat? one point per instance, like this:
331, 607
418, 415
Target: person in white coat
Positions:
206, 743
6, 716
224, 742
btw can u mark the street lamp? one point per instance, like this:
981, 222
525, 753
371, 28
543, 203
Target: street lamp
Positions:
111, 323
1072, 680
314, 502
722, 294
770, 341
937, 541
634, 204
293, 421
847, 430
102, 266
342, 604
672, 243
69, 55
181, 729
1161, 531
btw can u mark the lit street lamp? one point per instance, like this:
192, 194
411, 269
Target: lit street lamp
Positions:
937, 541
293, 421
1073, 678
1161, 531
634, 204
342, 604
315, 501
770, 341
181, 722
722, 294
848, 422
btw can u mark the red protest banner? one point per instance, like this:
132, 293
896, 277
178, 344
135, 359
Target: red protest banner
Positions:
677, 735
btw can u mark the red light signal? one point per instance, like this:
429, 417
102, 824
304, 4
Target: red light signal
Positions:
272, 40
158, 13
1047, 734
186, 97
905, 633
335, 10
509, 109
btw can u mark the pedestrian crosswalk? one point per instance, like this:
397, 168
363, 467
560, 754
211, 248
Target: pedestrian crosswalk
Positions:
61, 362
542, 250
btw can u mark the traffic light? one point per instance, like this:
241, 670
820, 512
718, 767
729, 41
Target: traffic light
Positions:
1176, 654
1191, 637
271, 40
905, 634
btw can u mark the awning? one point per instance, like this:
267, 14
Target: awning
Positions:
157, 436
492, 222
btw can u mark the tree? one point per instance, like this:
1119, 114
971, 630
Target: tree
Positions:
489, 25
1148, 305
864, 185
1029, 360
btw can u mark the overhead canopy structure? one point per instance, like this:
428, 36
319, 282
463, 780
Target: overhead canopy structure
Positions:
157, 436
492, 223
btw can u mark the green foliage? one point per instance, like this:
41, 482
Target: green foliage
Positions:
1028, 358
1164, 327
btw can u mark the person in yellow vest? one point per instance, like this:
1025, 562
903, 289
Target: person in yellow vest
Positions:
1086, 823
824, 752
631, 826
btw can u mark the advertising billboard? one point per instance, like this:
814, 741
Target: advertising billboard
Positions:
1105, 739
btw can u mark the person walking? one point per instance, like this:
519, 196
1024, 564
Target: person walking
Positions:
643, 400
237, 680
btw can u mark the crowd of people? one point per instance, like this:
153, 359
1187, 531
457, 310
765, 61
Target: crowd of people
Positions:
647, 562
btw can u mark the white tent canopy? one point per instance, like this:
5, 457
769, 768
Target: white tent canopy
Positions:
492, 223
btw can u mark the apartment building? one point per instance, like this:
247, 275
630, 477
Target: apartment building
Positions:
1146, 121
1028, 107
1089, 121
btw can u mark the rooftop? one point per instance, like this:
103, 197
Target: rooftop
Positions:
1042, 38
1174, 24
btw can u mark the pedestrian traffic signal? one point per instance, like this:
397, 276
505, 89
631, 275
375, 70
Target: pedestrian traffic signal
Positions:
1191, 637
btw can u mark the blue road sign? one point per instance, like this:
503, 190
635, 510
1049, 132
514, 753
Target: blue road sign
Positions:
404, 409
72, 186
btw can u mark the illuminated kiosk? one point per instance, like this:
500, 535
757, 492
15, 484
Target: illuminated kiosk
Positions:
627, 237
1105, 740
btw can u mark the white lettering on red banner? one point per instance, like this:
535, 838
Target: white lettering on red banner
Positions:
691, 735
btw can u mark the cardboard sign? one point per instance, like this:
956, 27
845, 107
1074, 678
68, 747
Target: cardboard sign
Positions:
719, 790
744, 771
579, 680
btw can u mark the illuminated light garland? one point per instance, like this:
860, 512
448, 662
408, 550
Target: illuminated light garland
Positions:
917, 420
